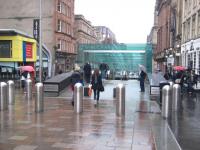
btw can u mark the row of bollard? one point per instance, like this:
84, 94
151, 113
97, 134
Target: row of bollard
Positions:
7, 95
171, 99
120, 99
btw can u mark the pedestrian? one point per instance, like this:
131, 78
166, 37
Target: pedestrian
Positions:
87, 72
23, 81
44, 76
142, 79
76, 77
97, 85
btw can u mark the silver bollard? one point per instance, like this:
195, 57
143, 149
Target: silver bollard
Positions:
78, 98
165, 101
120, 100
11, 92
29, 89
3, 96
39, 98
176, 97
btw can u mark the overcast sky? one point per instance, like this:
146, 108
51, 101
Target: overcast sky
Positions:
130, 20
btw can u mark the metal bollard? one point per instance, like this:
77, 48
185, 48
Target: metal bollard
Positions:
39, 98
120, 97
78, 98
29, 89
165, 101
176, 97
3, 96
11, 92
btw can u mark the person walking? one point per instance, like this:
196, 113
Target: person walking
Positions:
87, 72
142, 79
97, 85
76, 77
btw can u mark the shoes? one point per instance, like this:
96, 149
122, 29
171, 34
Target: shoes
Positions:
97, 104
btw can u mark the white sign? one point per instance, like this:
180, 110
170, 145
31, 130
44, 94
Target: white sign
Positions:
155, 90
170, 60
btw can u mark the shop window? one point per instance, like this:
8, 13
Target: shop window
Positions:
5, 49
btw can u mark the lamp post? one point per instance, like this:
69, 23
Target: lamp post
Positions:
40, 44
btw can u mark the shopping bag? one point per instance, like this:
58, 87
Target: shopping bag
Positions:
89, 91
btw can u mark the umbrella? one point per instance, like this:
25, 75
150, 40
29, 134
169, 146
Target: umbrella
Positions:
27, 68
179, 68
142, 68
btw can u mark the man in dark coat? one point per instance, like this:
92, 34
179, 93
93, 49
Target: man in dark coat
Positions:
76, 77
142, 79
87, 72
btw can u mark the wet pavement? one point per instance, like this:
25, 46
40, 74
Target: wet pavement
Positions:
185, 124
97, 128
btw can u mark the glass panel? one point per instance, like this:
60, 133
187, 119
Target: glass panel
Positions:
5, 49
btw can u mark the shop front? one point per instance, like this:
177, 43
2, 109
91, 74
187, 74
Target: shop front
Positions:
190, 53
16, 49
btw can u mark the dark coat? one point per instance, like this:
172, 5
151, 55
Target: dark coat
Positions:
76, 78
87, 69
98, 84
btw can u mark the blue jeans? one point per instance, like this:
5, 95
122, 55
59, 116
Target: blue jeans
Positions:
96, 94
142, 85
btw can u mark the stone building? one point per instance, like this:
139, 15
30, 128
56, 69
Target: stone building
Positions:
57, 27
105, 35
190, 47
85, 33
167, 52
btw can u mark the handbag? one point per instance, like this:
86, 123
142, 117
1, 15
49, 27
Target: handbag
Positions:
101, 88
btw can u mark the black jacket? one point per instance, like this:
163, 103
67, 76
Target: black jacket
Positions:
98, 84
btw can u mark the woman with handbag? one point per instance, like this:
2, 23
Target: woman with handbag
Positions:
97, 85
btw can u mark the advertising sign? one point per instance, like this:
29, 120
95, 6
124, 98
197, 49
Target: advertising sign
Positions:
29, 50
36, 29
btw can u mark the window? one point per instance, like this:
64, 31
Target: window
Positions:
194, 60
184, 32
59, 6
193, 25
68, 11
199, 61
63, 7
68, 29
5, 49
198, 26
188, 29
194, 3
59, 45
59, 26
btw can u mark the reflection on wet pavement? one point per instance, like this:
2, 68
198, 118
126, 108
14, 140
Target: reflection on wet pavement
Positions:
97, 128
185, 124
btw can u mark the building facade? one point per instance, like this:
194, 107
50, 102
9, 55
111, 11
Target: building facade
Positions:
57, 27
190, 47
152, 39
85, 33
167, 52
105, 35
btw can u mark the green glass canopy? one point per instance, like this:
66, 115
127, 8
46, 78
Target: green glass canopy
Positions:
117, 56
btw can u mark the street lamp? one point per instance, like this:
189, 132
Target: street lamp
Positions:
40, 44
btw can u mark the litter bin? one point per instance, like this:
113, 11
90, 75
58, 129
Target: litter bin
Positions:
162, 84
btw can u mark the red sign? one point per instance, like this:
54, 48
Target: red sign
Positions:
29, 50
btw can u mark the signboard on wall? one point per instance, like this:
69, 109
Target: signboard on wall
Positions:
29, 50
36, 29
